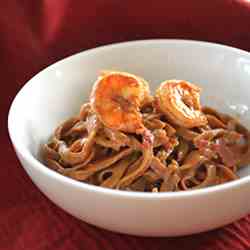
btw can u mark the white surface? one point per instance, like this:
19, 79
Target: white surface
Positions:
57, 93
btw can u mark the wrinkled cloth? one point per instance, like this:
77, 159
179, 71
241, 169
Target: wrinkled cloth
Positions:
35, 34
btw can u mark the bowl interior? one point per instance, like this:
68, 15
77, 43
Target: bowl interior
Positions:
58, 92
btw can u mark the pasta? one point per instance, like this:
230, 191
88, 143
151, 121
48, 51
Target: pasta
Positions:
125, 138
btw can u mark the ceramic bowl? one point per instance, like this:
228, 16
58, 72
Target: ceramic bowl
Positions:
57, 93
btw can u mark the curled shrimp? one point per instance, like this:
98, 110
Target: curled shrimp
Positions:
180, 102
117, 98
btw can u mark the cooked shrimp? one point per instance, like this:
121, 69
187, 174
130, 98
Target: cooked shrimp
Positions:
180, 102
117, 98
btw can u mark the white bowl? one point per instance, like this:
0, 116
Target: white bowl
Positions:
57, 93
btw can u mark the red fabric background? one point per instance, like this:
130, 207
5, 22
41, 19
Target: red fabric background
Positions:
34, 34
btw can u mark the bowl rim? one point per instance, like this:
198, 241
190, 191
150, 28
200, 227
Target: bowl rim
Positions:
43, 169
